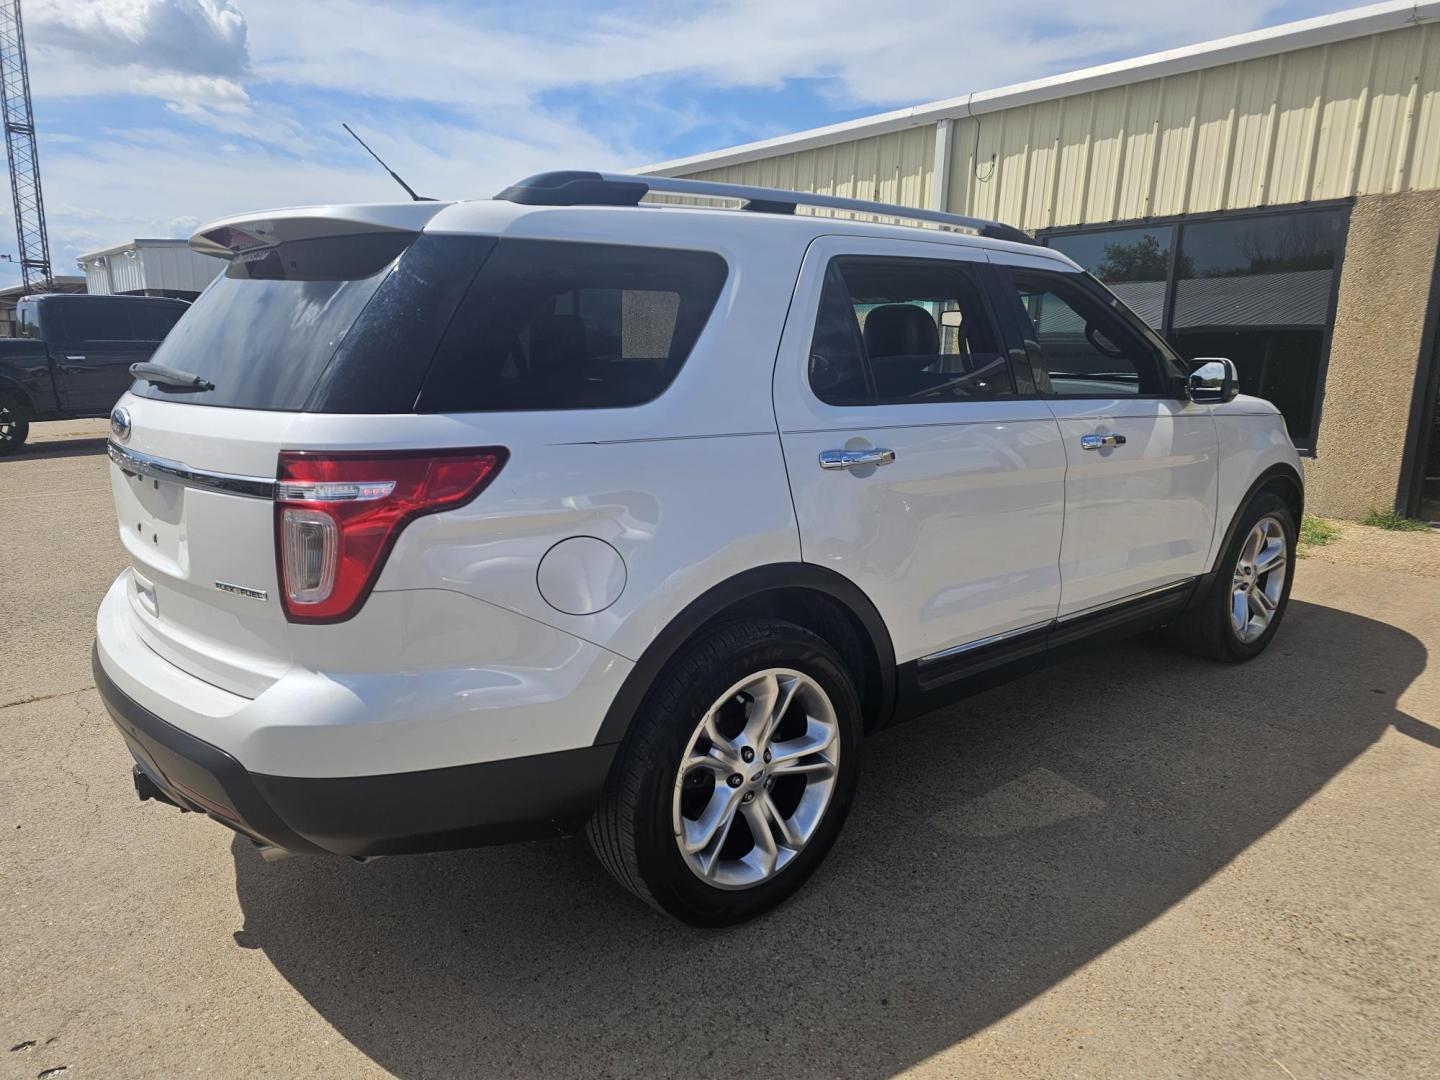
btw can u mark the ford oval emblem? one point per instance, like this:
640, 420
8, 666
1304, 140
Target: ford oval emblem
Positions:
120, 423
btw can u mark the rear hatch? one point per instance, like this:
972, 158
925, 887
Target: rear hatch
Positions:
330, 311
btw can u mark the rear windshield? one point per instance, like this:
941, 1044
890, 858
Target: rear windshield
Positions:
265, 330
380, 323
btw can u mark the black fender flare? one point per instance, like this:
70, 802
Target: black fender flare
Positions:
719, 598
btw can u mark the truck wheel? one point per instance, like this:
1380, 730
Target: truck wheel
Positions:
736, 775
1242, 610
14, 426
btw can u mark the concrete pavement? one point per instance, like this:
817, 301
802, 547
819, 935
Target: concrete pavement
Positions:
1133, 864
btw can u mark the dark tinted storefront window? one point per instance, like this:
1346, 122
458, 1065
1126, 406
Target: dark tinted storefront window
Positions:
1134, 263
1255, 288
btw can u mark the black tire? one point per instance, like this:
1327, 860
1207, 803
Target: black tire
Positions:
632, 831
14, 426
1207, 630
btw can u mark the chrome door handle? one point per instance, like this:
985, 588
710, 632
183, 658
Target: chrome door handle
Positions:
1099, 442
851, 459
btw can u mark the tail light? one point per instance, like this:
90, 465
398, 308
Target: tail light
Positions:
337, 517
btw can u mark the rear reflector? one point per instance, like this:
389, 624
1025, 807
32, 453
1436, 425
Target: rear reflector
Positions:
337, 516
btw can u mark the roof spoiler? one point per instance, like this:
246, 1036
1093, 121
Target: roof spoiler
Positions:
230, 236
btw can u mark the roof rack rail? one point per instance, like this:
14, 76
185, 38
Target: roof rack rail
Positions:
580, 188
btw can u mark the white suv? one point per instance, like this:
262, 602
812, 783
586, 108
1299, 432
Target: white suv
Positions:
452, 523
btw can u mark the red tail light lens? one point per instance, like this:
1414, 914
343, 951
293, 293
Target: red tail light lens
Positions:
337, 517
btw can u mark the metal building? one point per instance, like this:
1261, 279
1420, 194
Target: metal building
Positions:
1273, 197
149, 268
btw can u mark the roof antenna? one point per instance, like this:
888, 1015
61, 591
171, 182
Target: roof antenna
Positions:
393, 174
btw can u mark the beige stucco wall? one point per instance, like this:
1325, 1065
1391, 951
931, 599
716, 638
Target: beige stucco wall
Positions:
1374, 352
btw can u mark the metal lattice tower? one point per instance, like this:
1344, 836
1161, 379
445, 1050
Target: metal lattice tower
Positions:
19, 121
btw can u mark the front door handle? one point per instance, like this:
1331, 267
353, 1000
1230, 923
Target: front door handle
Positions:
852, 459
1100, 442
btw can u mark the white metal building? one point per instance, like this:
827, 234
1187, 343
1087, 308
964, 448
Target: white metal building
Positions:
149, 268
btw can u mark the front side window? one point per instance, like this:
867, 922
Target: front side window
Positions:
1086, 349
894, 331
555, 325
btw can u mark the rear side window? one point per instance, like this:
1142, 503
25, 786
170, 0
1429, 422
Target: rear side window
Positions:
556, 325
897, 331
91, 319
151, 322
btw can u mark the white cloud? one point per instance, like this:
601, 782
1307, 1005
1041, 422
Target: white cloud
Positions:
870, 55
205, 37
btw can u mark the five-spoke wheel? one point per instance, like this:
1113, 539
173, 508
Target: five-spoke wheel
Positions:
755, 778
736, 774
1258, 581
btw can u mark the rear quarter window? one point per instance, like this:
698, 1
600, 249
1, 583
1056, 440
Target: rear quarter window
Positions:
557, 325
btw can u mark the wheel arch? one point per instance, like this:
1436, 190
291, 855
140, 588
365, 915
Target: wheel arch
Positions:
811, 596
10, 388
1285, 481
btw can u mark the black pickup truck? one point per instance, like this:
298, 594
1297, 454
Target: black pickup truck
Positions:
72, 354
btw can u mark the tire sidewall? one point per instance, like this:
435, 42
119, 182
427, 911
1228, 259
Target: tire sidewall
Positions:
1263, 505
663, 869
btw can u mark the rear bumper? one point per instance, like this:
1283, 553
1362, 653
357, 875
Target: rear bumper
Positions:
427, 810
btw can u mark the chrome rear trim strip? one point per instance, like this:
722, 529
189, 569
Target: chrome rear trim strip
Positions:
945, 654
138, 464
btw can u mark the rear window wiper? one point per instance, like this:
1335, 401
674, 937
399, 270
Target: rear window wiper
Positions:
160, 375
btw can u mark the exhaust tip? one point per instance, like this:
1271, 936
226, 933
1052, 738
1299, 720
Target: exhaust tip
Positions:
146, 789
272, 853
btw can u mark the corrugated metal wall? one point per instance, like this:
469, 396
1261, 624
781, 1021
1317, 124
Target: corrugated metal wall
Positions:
894, 168
1357, 117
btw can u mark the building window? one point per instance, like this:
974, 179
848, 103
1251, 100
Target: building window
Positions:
1257, 288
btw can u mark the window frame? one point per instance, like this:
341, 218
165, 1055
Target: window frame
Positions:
1180, 221
980, 275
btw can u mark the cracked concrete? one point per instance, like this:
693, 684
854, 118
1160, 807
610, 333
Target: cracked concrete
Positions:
1132, 864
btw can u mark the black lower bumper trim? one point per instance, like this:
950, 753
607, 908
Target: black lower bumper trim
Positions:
396, 813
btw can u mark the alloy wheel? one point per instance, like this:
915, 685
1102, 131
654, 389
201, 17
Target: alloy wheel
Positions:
1259, 580
756, 778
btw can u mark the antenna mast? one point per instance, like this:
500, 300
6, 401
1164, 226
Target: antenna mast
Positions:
19, 119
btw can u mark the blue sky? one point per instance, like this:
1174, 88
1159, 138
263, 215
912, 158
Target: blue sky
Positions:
155, 115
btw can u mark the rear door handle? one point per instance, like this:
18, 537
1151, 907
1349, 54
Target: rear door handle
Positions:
1100, 442
851, 459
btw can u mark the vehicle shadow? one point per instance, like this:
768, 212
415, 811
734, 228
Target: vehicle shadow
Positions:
992, 850
60, 448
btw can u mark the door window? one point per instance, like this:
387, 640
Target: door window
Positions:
93, 319
1086, 349
895, 331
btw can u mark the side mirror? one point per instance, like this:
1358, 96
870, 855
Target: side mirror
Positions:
1213, 379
